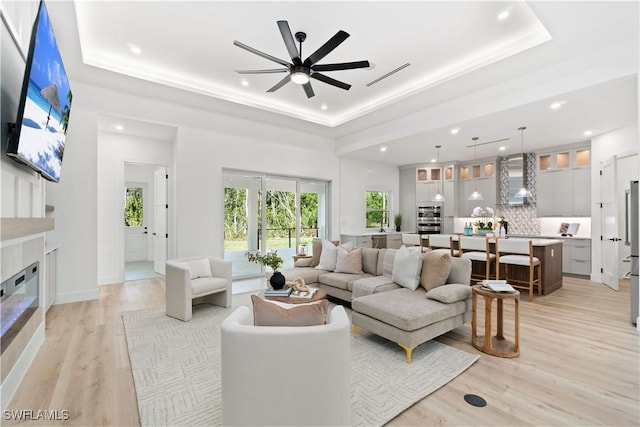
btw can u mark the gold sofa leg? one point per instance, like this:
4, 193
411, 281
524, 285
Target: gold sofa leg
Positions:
409, 351
355, 330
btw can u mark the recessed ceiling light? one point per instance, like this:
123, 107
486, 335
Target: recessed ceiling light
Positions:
455, 131
383, 149
502, 148
433, 160
244, 82
323, 106
134, 48
503, 15
119, 128
588, 133
557, 105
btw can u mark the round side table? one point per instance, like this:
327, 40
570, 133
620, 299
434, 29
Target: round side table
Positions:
495, 345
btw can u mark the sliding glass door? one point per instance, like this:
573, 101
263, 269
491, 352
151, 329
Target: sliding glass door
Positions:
265, 212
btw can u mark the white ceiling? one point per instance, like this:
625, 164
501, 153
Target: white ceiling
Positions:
469, 69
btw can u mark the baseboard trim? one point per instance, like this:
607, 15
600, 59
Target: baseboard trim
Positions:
76, 297
109, 280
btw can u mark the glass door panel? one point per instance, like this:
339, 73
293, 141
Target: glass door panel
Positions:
280, 215
242, 207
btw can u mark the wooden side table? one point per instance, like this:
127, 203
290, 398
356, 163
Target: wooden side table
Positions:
495, 345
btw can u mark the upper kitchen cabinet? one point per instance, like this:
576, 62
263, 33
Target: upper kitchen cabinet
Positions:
427, 181
564, 183
479, 176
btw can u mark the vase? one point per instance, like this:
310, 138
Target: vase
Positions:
277, 280
398, 229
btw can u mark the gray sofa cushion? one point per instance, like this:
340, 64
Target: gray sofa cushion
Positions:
450, 293
341, 280
371, 285
460, 271
309, 274
370, 260
406, 309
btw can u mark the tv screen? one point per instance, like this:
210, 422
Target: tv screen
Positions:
38, 139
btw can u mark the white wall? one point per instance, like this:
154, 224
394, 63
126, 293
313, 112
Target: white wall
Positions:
88, 228
619, 142
357, 177
114, 150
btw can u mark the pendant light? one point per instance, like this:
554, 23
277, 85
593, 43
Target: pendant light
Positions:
524, 191
438, 197
475, 195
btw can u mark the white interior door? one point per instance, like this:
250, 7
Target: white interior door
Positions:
160, 208
609, 215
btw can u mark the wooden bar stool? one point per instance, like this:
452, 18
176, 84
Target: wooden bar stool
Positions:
477, 250
519, 252
442, 243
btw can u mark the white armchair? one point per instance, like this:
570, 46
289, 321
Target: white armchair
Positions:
286, 376
196, 280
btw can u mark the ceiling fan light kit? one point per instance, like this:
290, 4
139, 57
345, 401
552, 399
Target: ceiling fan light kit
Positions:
300, 72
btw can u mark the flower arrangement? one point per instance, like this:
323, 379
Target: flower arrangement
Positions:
270, 259
484, 218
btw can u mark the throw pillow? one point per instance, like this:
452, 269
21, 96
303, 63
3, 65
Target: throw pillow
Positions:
450, 293
302, 262
406, 268
316, 251
329, 255
349, 261
435, 269
200, 268
266, 313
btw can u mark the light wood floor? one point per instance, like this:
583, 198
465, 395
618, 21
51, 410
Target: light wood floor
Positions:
579, 364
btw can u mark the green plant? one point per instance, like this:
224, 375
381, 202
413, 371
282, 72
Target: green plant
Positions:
485, 221
397, 220
270, 259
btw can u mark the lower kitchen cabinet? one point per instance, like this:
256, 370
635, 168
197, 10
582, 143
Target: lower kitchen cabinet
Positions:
576, 256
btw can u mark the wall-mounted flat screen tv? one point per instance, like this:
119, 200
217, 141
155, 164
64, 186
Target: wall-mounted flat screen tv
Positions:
38, 139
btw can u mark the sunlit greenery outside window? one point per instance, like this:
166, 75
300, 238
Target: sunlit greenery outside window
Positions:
133, 207
378, 209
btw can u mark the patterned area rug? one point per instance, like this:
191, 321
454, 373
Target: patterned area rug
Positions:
176, 369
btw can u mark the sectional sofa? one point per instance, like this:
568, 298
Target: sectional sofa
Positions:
404, 295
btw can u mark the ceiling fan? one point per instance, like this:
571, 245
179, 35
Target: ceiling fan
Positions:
299, 71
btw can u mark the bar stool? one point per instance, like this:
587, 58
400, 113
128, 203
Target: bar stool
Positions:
409, 239
519, 252
443, 243
477, 250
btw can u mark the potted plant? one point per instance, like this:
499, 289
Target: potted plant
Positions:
273, 260
397, 220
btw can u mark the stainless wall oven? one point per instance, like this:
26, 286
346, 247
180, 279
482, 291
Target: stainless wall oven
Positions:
429, 219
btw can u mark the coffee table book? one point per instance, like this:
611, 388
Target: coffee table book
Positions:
304, 294
284, 292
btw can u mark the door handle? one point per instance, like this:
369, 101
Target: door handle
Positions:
615, 239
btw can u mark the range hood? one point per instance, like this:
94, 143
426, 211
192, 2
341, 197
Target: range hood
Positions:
517, 173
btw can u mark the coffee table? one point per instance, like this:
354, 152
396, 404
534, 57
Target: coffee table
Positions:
319, 295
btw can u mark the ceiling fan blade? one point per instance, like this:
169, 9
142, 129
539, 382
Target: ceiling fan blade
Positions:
273, 70
289, 42
340, 66
281, 83
264, 55
308, 90
330, 81
326, 48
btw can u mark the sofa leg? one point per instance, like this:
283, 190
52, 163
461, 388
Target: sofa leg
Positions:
355, 330
409, 351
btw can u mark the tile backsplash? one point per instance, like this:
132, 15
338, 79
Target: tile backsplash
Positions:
522, 219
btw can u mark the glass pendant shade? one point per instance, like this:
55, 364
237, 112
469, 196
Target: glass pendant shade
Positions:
475, 195
522, 193
438, 197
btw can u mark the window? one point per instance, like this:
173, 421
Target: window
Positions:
378, 209
133, 207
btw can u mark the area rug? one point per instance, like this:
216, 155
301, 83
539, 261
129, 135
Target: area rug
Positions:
176, 369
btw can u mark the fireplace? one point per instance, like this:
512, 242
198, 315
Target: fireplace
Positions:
19, 299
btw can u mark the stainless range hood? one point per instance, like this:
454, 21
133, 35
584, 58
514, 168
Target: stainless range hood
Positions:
517, 172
